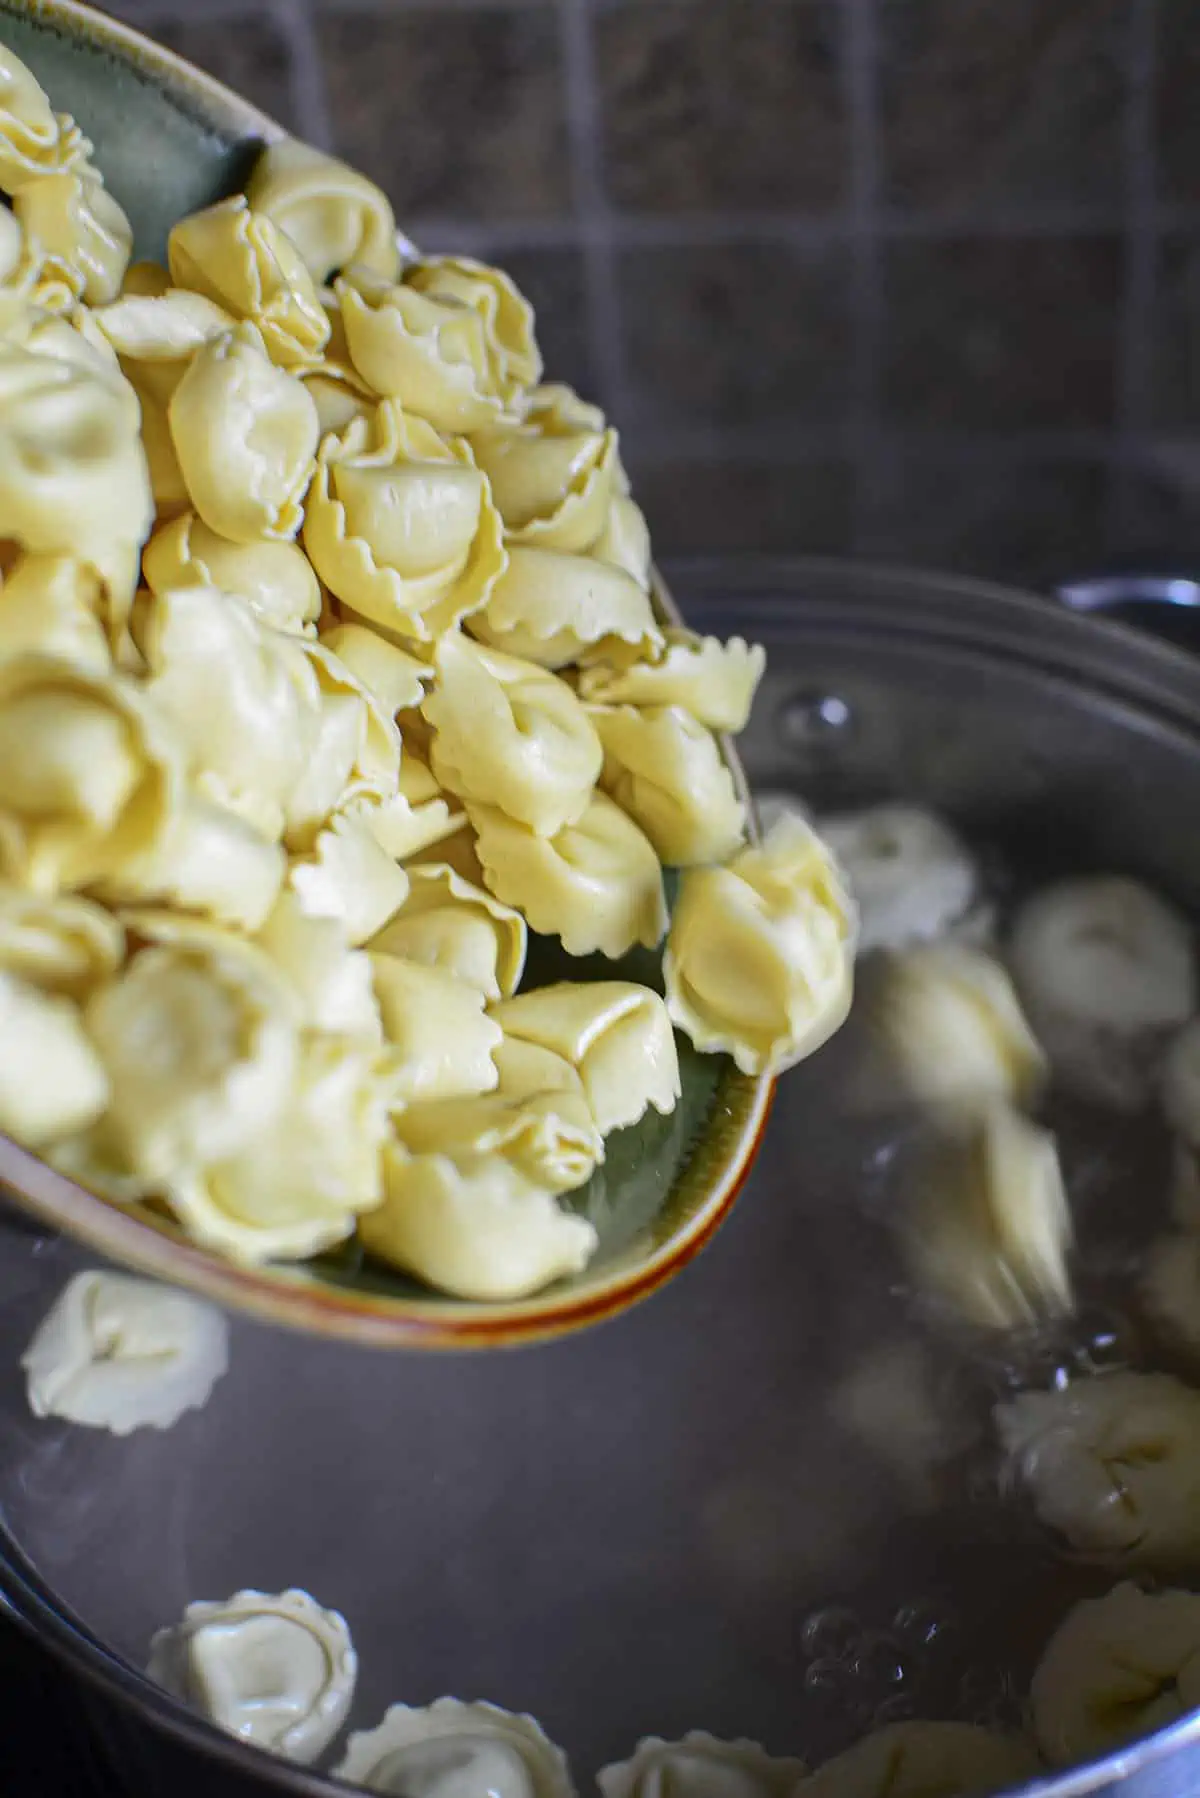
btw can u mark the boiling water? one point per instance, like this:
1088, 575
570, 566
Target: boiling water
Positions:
766, 1503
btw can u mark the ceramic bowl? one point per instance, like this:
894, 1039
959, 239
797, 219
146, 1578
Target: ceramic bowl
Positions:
170, 140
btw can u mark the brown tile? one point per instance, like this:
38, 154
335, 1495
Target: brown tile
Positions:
737, 335
1175, 383
552, 281
1001, 332
253, 58
1015, 102
456, 112
1030, 521
721, 104
770, 507
1176, 112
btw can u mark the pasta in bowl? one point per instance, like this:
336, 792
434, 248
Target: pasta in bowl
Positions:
428, 982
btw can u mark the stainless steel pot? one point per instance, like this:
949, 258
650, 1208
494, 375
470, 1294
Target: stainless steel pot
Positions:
697, 1516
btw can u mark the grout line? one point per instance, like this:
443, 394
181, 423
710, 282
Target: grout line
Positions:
602, 297
785, 439
310, 99
858, 51
1134, 345
432, 6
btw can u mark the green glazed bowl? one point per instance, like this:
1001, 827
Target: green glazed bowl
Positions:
169, 140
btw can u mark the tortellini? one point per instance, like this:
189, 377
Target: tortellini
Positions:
511, 735
924, 1760
332, 214
274, 578
51, 606
206, 860
350, 877
275, 1670
953, 1029
80, 228
1106, 971
450, 923
1112, 1464
34, 140
552, 608
121, 1354
553, 476
436, 1024
400, 525
1117, 1668
242, 261
616, 1035
666, 771
699, 1766
760, 957
52, 1080
595, 884
61, 944
991, 1227
713, 681
911, 876
245, 434
455, 1750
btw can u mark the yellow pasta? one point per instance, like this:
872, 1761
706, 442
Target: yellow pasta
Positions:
332, 982
441, 1035
553, 609
714, 681
348, 876
275, 579
34, 140
51, 606
401, 527
665, 770
615, 1034
596, 884
245, 433
52, 1081
625, 540
206, 860
510, 734
244, 262
552, 480
506, 313
61, 944
760, 958
83, 233
450, 923
395, 679
332, 214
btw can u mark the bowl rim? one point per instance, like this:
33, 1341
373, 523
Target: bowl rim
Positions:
713, 1169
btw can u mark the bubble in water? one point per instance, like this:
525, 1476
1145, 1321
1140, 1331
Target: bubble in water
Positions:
923, 1625
832, 1684
831, 1633
878, 1660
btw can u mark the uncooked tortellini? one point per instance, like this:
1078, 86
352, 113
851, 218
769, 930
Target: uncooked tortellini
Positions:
512, 735
699, 1766
1117, 1668
760, 957
923, 1760
52, 1081
553, 476
666, 771
332, 214
596, 884
455, 1750
120, 1354
953, 1029
1113, 1464
400, 525
442, 1040
34, 140
1106, 972
553, 609
80, 228
278, 1671
616, 1035
274, 578
51, 606
245, 433
450, 923
242, 261
714, 681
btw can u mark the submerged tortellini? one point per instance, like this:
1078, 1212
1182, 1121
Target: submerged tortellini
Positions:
699, 1766
924, 1760
1112, 1464
278, 1671
120, 1354
908, 871
455, 1750
760, 957
511, 735
1117, 1668
400, 525
665, 770
952, 1027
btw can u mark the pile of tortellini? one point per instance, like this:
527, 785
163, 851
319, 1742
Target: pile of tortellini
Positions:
329, 668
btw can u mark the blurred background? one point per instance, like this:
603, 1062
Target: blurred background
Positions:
905, 278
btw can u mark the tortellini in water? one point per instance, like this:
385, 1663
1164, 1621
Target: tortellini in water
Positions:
275, 1670
990, 1228
455, 1750
616, 1035
699, 1766
666, 771
117, 1353
400, 525
760, 957
332, 214
1106, 971
1117, 1668
924, 1760
553, 609
1112, 1464
952, 1027
911, 876
511, 735
1181, 1085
